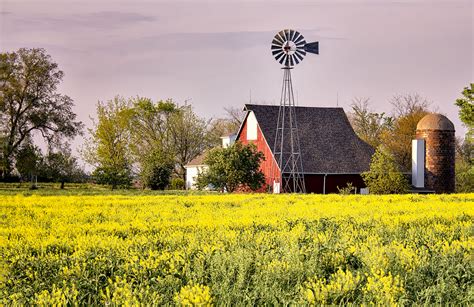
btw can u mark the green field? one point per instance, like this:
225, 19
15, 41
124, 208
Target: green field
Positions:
85, 245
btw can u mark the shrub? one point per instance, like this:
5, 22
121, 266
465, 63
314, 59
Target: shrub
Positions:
177, 184
384, 176
233, 167
348, 189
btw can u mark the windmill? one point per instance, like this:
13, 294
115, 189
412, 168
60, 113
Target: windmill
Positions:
289, 48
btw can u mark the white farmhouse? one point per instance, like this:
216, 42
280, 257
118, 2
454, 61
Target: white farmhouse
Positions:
197, 166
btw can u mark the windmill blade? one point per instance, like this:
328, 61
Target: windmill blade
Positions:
287, 61
276, 47
287, 34
283, 59
277, 40
299, 39
295, 58
275, 52
300, 52
299, 56
278, 56
276, 43
282, 37
312, 47
301, 43
292, 35
282, 34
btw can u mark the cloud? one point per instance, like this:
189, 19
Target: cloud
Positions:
215, 40
95, 20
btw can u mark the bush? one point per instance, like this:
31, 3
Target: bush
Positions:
177, 184
464, 177
384, 176
347, 190
156, 175
233, 167
115, 177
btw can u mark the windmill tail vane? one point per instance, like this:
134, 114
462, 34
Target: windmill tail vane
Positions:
289, 48
312, 47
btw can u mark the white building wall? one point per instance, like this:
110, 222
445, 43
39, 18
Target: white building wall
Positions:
191, 175
251, 127
418, 163
228, 140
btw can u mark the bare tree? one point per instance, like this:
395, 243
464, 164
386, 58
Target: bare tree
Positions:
405, 104
368, 124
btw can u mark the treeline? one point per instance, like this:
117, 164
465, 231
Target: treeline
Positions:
391, 133
134, 139
150, 141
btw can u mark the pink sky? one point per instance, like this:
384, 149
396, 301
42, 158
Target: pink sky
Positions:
216, 52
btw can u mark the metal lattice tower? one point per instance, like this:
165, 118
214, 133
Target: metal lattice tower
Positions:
289, 48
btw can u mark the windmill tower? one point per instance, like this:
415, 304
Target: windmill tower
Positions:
289, 48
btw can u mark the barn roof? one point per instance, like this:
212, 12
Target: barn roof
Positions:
328, 143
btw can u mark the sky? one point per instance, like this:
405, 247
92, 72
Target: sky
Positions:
216, 54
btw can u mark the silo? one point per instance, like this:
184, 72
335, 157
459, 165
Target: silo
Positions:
438, 132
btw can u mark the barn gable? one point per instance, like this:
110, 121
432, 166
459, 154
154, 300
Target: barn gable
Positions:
328, 143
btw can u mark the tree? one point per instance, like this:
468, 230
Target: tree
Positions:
232, 167
464, 166
29, 102
384, 176
156, 170
108, 148
408, 110
367, 124
227, 125
188, 137
150, 122
466, 110
60, 165
28, 158
465, 149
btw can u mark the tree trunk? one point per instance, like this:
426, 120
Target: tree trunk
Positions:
62, 185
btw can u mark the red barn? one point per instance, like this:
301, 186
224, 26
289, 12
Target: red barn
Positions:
332, 154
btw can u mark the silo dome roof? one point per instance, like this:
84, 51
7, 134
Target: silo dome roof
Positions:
435, 121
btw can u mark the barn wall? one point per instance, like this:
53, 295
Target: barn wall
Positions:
266, 166
314, 183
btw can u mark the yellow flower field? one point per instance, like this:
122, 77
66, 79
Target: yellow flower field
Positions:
236, 249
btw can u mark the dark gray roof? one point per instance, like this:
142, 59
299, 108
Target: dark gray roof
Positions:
328, 142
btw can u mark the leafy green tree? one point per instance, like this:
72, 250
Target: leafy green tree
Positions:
30, 102
188, 137
108, 148
466, 108
465, 149
28, 158
156, 170
233, 167
384, 176
60, 166
150, 126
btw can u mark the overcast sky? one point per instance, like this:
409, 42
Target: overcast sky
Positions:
216, 52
